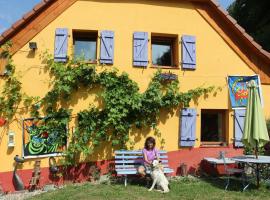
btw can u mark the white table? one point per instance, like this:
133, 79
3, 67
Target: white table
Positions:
250, 160
219, 161
216, 166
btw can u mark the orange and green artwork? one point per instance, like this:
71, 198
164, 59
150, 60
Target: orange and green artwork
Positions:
238, 89
40, 139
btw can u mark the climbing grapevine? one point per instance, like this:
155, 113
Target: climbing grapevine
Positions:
121, 104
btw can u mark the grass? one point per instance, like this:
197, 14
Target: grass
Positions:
183, 189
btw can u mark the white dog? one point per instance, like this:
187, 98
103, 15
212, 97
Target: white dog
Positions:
158, 177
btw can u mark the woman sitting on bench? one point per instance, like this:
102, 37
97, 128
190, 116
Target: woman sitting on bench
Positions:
150, 153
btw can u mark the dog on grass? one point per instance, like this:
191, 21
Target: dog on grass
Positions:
158, 177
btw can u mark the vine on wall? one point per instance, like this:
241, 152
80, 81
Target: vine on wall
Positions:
11, 95
122, 107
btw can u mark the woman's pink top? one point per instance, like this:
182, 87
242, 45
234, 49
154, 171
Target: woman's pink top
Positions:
150, 154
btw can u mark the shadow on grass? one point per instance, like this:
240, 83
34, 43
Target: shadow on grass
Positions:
134, 181
215, 182
235, 183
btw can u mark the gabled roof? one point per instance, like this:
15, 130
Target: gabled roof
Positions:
33, 22
251, 52
236, 27
25, 18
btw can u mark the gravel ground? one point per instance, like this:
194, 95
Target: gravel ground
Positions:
20, 195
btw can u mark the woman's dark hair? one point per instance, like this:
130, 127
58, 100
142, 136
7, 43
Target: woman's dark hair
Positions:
149, 140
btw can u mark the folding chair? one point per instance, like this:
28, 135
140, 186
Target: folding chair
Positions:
232, 171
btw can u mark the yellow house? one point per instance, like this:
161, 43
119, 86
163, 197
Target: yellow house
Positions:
195, 41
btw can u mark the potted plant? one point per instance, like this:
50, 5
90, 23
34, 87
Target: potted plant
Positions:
94, 173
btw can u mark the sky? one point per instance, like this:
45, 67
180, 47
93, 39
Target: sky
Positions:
223, 3
12, 10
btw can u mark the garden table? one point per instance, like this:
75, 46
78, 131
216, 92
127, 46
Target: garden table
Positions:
216, 166
258, 164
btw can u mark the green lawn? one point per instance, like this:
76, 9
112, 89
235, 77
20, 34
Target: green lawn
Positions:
184, 189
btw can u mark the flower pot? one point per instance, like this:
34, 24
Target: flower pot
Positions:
2, 121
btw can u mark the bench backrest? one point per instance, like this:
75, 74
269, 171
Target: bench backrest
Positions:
134, 158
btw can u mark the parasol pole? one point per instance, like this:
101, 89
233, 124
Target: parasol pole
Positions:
256, 149
257, 165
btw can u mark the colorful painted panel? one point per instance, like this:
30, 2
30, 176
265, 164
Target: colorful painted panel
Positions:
39, 140
238, 89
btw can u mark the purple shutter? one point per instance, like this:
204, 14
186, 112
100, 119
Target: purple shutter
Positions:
107, 47
239, 120
140, 49
188, 52
188, 127
61, 45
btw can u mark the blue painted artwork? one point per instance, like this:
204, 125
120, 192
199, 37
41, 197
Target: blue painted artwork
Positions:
238, 89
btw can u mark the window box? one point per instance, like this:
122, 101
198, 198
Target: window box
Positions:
168, 76
214, 144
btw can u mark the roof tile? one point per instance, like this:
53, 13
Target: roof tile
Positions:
265, 52
17, 23
215, 3
25, 18
225, 12
232, 19
39, 6
240, 28
7, 32
248, 37
29, 14
258, 46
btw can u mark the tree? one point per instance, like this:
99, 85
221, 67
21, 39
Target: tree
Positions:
254, 17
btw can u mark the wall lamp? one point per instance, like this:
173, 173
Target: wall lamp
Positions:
33, 46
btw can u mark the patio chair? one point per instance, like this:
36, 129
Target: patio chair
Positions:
232, 171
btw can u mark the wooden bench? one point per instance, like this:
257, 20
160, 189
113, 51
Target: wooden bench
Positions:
127, 162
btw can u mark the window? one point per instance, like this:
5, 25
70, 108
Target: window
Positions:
213, 127
164, 50
85, 45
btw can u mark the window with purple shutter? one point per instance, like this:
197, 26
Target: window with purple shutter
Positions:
107, 47
61, 45
239, 120
140, 49
188, 127
188, 52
